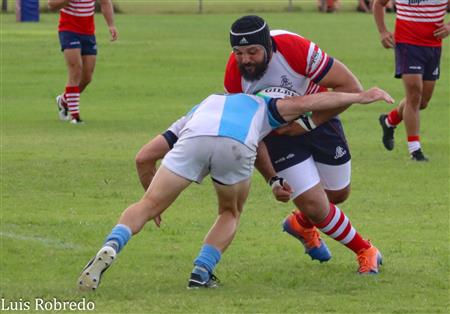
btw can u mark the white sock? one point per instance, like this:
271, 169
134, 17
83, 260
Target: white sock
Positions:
413, 146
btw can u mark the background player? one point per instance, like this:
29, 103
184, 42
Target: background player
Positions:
317, 160
77, 37
419, 30
220, 137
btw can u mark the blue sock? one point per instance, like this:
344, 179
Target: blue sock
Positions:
118, 237
208, 258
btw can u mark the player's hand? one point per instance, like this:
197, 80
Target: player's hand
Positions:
114, 33
157, 220
442, 31
387, 40
375, 94
281, 189
290, 129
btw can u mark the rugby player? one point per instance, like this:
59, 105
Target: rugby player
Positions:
219, 137
417, 40
77, 38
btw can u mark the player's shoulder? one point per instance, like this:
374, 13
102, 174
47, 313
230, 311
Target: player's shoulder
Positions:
286, 39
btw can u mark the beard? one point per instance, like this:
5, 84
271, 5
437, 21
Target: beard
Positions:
258, 71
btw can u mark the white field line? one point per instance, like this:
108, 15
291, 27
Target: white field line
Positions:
45, 241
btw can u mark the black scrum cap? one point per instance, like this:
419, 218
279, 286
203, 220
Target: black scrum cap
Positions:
251, 30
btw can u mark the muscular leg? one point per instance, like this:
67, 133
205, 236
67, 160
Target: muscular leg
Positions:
162, 192
231, 202
427, 93
75, 67
413, 88
88, 71
338, 196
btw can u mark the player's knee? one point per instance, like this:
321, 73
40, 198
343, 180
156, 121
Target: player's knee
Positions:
423, 104
339, 196
313, 209
230, 211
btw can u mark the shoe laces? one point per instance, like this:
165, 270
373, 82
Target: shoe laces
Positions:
214, 278
365, 261
311, 237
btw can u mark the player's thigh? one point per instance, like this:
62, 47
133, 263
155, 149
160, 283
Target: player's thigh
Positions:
74, 61
301, 176
413, 85
331, 155
164, 189
232, 197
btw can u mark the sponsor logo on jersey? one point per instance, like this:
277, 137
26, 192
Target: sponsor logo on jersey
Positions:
416, 1
340, 152
286, 83
315, 56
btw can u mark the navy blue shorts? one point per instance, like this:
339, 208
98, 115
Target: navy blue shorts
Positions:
411, 59
326, 144
71, 40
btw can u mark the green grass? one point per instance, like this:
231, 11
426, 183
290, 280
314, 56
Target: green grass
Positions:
210, 6
64, 186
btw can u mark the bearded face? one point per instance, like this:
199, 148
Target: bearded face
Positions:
251, 61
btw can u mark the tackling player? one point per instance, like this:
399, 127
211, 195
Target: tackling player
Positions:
419, 30
77, 37
219, 137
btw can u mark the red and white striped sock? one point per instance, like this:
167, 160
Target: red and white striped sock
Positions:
72, 98
303, 220
338, 226
413, 143
393, 118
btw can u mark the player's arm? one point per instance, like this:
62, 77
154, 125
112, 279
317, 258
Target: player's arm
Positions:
442, 31
338, 78
57, 4
290, 108
108, 13
386, 37
280, 188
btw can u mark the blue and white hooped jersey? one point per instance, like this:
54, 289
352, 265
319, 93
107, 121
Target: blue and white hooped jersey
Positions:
245, 118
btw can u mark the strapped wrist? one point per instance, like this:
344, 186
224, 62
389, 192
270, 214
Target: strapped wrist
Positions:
276, 181
306, 122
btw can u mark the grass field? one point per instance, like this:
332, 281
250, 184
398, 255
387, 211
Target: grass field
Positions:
64, 186
210, 6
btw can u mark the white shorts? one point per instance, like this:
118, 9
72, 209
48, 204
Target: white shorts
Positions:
226, 160
303, 176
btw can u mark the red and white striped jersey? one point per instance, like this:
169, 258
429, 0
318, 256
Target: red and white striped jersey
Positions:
416, 21
297, 64
78, 17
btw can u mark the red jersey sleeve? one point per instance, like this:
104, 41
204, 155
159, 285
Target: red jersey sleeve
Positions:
232, 80
303, 56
